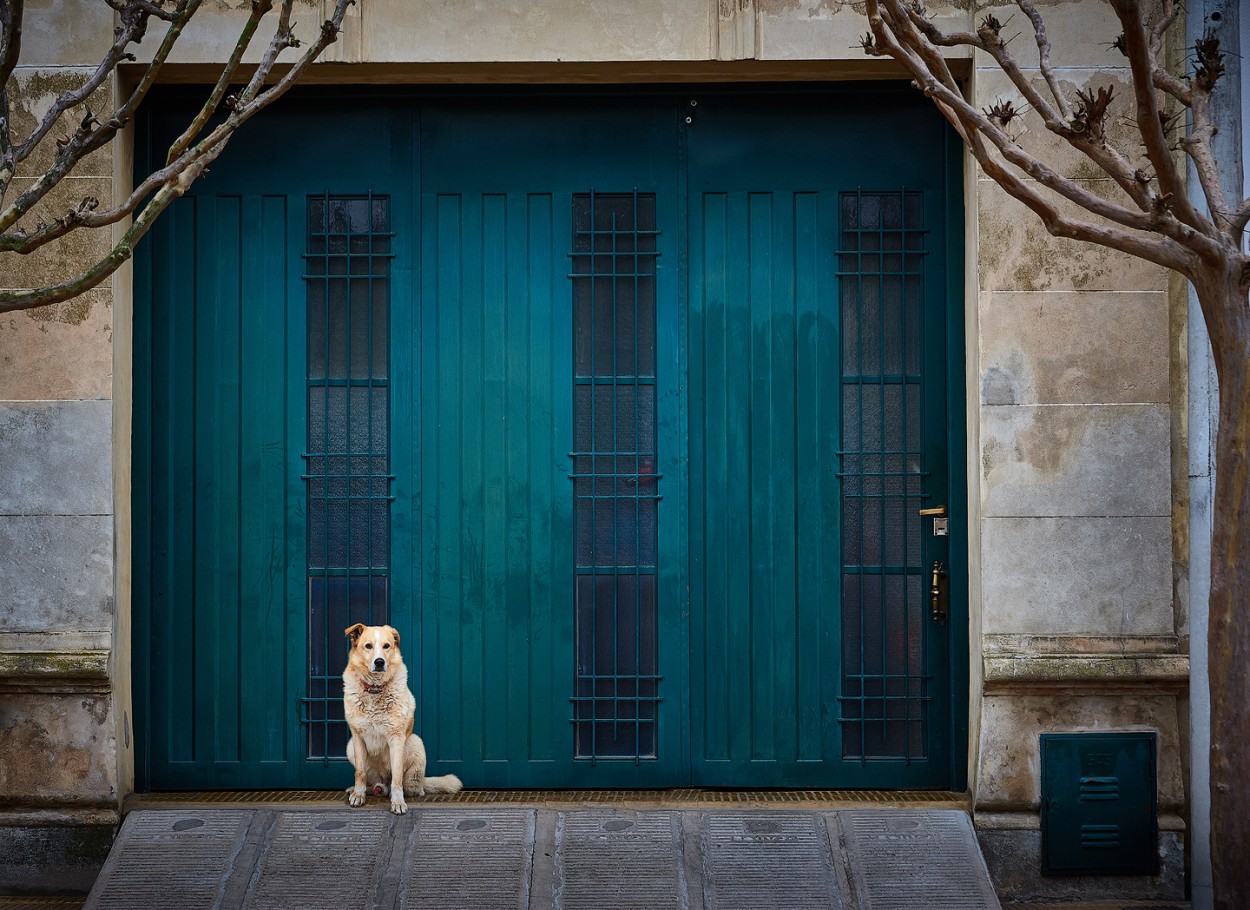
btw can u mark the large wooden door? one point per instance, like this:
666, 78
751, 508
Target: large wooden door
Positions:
620, 408
818, 428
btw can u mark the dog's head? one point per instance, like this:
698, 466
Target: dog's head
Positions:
375, 649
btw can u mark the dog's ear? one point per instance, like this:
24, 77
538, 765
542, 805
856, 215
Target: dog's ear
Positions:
394, 634
353, 632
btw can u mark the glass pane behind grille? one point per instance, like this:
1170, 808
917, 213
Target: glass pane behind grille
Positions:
884, 704
616, 688
348, 457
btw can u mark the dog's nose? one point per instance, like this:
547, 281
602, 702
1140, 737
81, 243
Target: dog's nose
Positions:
379, 664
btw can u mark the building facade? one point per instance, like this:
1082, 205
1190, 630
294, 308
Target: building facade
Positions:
610, 352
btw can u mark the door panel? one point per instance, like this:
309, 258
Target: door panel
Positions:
762, 567
219, 439
231, 651
505, 575
815, 662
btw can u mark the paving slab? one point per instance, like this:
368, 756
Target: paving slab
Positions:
908, 860
482, 858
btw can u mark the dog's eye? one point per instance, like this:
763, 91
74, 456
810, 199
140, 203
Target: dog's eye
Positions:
369, 647
387, 647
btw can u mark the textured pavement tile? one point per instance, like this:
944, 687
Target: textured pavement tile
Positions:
902, 860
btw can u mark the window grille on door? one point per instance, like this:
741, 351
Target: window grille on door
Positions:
885, 682
615, 482
348, 457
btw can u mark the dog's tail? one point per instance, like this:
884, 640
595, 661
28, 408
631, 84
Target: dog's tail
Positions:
448, 783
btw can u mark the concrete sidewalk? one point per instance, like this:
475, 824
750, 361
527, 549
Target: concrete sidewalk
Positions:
473, 857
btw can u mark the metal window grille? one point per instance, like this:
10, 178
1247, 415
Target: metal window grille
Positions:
616, 687
348, 477
884, 703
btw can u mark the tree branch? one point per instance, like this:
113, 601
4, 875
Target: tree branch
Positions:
1145, 245
11, 34
24, 300
1043, 53
187, 160
259, 9
93, 135
1209, 69
1237, 223
920, 59
1163, 80
1083, 133
1148, 122
132, 30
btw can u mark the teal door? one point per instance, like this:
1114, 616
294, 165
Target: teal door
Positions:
620, 409
552, 645
265, 455
818, 429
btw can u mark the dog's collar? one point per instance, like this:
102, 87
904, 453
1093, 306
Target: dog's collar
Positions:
372, 689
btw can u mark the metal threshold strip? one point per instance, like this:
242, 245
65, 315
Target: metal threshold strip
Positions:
686, 798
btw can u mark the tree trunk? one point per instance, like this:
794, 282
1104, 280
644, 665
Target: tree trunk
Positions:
1229, 630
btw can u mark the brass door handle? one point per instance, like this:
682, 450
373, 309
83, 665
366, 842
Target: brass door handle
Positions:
941, 527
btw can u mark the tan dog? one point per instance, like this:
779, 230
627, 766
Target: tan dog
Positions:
380, 709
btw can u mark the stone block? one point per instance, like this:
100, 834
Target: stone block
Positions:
58, 458
808, 30
1076, 460
1077, 576
32, 92
1029, 130
1080, 34
1014, 858
447, 31
58, 573
60, 351
1102, 347
66, 33
58, 750
1016, 253
52, 860
826, 29
66, 257
1009, 777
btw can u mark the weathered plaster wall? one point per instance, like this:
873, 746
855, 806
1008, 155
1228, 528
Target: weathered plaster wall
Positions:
1071, 401
1076, 431
59, 768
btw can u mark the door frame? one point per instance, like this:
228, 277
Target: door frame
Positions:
956, 390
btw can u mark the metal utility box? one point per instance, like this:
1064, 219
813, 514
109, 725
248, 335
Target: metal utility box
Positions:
1099, 809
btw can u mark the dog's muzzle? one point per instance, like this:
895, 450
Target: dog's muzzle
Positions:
379, 664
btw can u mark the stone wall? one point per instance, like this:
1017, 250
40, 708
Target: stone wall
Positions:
59, 757
1076, 405
1077, 426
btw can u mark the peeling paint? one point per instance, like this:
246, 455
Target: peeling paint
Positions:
71, 312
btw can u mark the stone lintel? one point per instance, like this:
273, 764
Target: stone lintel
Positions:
1081, 673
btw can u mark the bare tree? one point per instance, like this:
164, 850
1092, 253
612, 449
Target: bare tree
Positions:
1152, 218
188, 157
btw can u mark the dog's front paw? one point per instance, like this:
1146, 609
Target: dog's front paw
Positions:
399, 805
356, 797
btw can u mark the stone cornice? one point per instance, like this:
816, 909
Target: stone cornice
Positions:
55, 671
1084, 673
